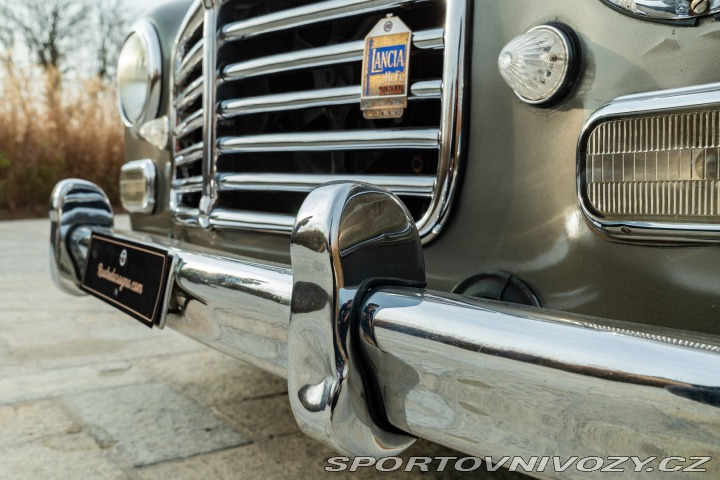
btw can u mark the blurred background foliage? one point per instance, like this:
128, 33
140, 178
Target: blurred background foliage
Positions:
58, 114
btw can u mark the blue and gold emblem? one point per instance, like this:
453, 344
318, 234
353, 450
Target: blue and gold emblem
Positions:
386, 63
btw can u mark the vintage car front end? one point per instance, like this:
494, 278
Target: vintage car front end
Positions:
513, 253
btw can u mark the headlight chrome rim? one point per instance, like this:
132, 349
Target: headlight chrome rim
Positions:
151, 42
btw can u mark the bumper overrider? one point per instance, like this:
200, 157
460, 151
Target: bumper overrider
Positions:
374, 360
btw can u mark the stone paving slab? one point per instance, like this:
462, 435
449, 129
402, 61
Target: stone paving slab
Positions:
262, 418
293, 456
69, 456
53, 383
212, 378
151, 423
29, 422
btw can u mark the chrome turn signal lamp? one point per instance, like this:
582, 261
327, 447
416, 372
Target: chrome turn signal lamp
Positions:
138, 181
542, 65
649, 166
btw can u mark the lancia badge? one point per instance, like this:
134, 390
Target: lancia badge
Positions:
386, 63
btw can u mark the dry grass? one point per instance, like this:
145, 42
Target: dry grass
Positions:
48, 133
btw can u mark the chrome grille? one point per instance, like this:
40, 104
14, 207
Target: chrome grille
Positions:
280, 114
188, 104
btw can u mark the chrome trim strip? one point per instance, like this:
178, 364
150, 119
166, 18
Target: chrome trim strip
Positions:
188, 185
187, 217
209, 164
433, 39
180, 101
191, 24
190, 124
452, 125
190, 94
181, 160
405, 185
483, 377
666, 10
188, 152
426, 90
305, 15
333, 140
189, 188
289, 101
666, 101
262, 222
188, 63
318, 57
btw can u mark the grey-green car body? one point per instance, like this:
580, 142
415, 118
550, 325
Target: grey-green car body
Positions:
517, 208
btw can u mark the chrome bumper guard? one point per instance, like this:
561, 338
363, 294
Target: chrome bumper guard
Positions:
374, 360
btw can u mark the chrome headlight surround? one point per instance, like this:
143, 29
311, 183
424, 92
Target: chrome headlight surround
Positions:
146, 33
677, 12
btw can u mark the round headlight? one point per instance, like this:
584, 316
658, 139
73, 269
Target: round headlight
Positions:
139, 75
542, 65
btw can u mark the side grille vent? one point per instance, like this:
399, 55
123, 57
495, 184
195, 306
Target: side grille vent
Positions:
286, 110
649, 166
188, 103
656, 166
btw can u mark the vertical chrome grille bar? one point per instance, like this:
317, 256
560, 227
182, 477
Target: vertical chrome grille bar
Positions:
185, 92
209, 111
451, 123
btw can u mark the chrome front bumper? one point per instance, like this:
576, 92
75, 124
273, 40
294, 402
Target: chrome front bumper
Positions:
373, 359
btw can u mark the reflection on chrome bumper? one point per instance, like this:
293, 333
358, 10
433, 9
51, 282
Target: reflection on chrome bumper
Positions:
376, 361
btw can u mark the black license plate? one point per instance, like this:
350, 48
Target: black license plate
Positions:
127, 275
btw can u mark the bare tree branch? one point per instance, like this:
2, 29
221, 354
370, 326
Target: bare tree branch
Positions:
49, 28
112, 20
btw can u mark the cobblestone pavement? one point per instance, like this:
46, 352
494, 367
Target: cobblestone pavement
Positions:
88, 393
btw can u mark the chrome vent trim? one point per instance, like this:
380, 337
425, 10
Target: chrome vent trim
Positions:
301, 16
329, 141
666, 130
428, 90
319, 57
421, 186
188, 85
200, 180
209, 69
